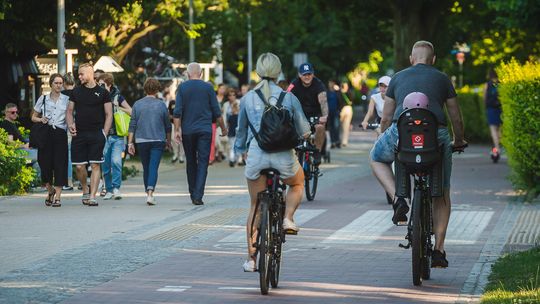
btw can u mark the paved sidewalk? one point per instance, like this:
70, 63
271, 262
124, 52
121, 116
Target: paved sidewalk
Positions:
126, 252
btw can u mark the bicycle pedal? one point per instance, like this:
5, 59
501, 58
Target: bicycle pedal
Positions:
291, 232
403, 223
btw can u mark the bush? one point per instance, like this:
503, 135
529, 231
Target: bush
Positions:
474, 116
519, 92
15, 176
129, 171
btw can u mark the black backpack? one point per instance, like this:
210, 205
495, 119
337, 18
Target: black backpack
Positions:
277, 132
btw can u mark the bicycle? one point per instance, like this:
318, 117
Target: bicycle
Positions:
271, 234
305, 152
418, 154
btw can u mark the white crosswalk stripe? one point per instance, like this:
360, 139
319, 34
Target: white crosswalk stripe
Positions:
363, 230
300, 217
465, 227
174, 288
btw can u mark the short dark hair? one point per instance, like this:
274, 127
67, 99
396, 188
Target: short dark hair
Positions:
108, 78
152, 86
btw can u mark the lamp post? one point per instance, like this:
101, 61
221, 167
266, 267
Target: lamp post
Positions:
250, 49
460, 56
460, 50
61, 29
191, 40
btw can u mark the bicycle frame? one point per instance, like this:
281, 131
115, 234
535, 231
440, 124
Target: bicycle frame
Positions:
271, 236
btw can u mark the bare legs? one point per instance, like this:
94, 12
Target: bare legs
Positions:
441, 205
495, 135
292, 201
94, 178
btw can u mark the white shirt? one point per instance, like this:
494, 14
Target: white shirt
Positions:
55, 112
379, 103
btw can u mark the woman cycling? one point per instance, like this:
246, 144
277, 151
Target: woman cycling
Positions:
252, 108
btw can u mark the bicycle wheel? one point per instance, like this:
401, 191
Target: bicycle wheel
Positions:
277, 237
416, 238
426, 239
265, 245
311, 182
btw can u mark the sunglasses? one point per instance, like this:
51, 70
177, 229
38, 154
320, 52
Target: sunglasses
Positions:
13, 112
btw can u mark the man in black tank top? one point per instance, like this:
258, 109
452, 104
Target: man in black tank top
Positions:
311, 93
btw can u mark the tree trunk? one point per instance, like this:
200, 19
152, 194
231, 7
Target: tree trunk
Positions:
414, 20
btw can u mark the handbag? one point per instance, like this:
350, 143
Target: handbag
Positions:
121, 123
121, 120
39, 132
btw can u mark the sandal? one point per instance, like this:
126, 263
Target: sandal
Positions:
92, 202
50, 198
56, 203
85, 198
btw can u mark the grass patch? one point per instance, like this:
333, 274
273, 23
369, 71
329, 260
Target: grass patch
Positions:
515, 278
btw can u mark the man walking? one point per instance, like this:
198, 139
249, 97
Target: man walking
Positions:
196, 108
420, 77
89, 126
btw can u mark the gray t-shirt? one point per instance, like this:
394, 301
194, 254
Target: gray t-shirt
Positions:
426, 79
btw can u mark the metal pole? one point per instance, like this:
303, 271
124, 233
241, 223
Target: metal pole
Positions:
250, 50
61, 19
461, 75
191, 40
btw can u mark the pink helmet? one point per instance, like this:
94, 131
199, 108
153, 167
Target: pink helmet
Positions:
415, 100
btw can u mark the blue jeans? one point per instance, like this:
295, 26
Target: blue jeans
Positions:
197, 150
150, 153
333, 126
112, 164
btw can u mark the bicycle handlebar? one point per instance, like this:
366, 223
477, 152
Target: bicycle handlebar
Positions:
371, 126
459, 149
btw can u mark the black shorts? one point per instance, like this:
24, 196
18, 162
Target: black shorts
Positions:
87, 147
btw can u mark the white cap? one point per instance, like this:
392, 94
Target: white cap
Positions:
385, 80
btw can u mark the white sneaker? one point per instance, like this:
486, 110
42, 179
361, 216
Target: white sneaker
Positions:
116, 193
249, 266
290, 225
108, 196
150, 200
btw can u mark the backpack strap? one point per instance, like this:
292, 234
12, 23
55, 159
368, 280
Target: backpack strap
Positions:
261, 96
280, 99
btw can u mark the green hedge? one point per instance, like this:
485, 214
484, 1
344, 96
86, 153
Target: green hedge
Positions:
15, 176
474, 117
519, 92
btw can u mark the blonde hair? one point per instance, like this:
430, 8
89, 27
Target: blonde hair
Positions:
86, 65
268, 68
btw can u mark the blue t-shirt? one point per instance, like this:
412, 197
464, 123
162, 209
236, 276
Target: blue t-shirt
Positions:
196, 106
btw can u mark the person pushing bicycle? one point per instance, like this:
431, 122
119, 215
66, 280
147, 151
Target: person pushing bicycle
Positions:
420, 77
251, 111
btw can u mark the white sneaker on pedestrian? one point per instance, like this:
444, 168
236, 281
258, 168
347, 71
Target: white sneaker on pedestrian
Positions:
249, 266
116, 193
290, 225
150, 200
108, 196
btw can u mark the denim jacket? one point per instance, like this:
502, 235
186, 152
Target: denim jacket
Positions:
252, 108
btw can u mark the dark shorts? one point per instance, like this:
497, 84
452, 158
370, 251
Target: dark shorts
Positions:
494, 116
87, 147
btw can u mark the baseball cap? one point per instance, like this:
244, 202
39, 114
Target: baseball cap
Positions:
305, 68
385, 80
